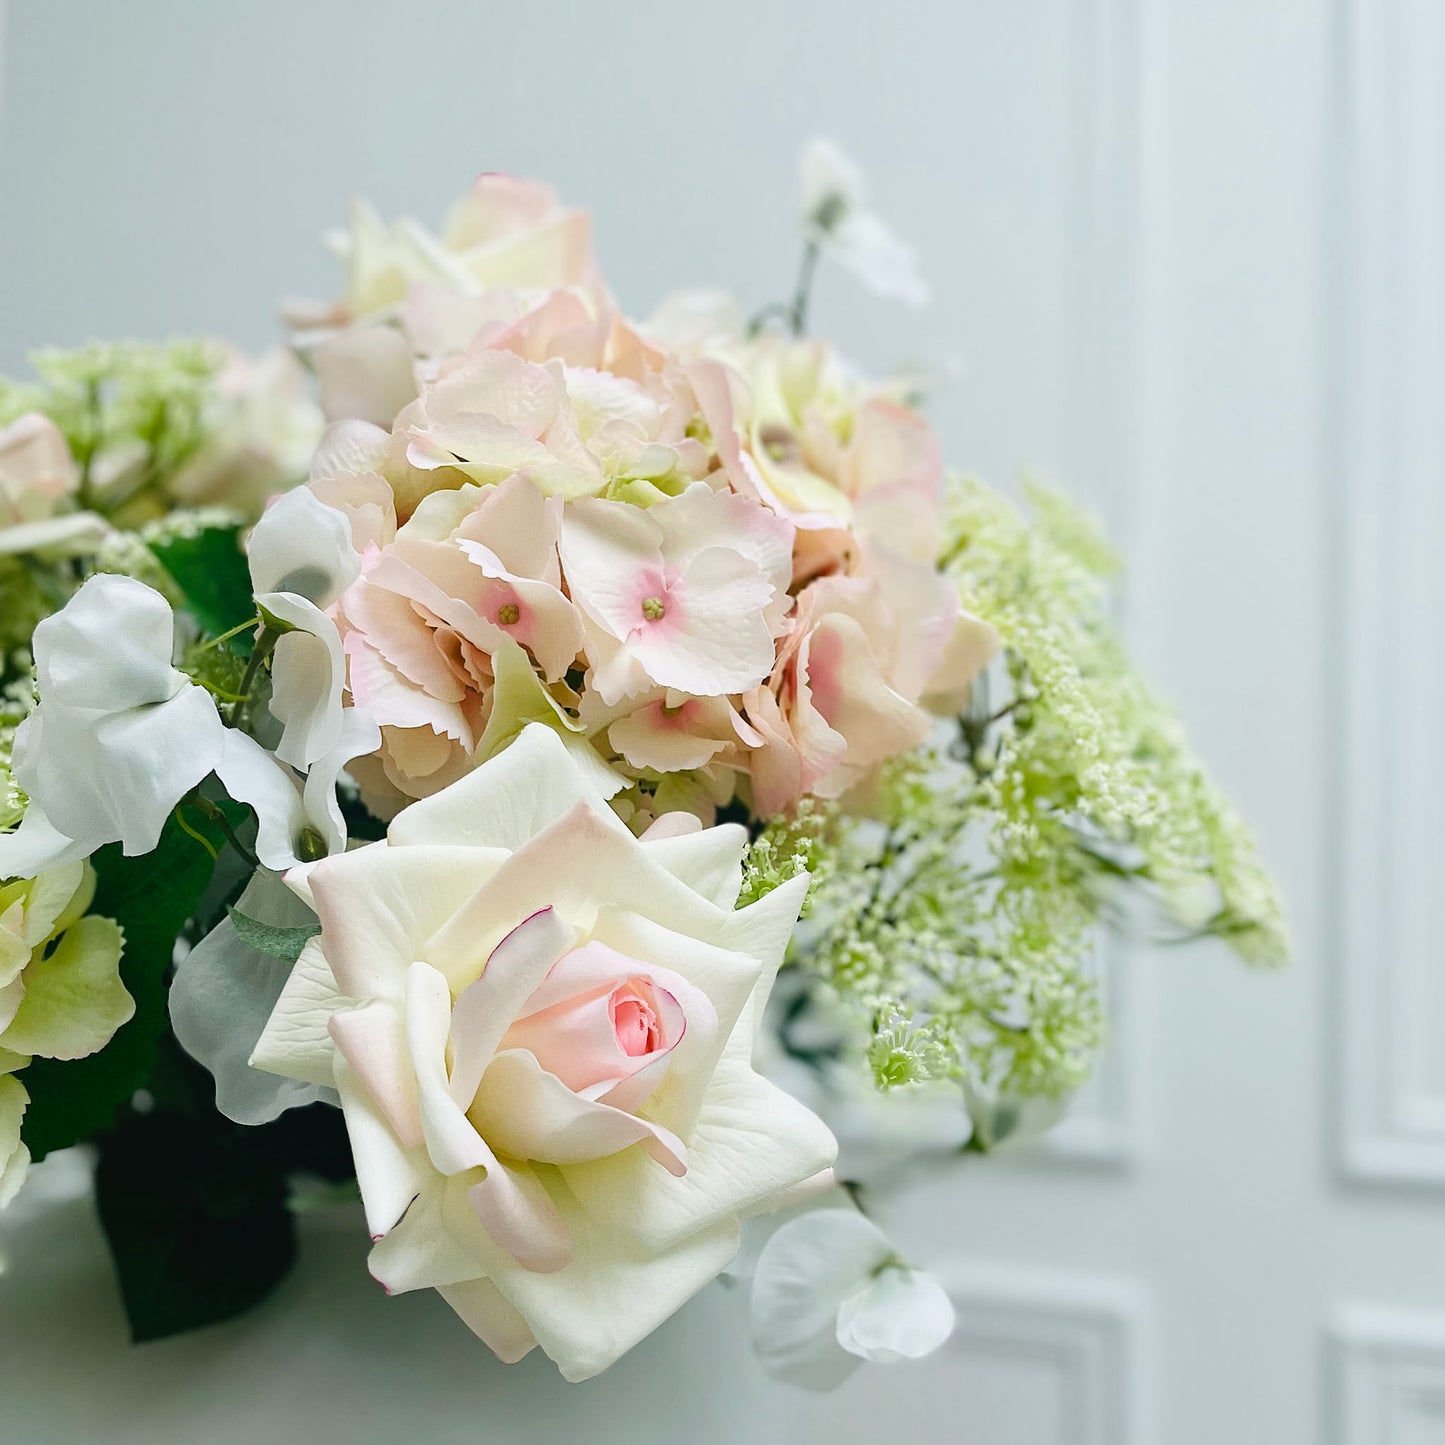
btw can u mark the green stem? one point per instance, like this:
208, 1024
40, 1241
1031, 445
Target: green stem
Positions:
224, 824
236, 631
795, 310
264, 643
802, 292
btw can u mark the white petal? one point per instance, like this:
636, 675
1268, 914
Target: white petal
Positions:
610, 1294
308, 671
488, 1314
751, 1144
108, 648
37, 845
301, 545
224, 992
900, 1314
389, 1176
707, 859
379, 905
295, 1041
267, 786
803, 1275
507, 802
117, 776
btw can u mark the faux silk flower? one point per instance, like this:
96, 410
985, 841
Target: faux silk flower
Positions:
686, 594
120, 736
542, 1030
837, 219
830, 1291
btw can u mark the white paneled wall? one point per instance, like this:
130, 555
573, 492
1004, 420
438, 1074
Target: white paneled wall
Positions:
1390, 379
1189, 260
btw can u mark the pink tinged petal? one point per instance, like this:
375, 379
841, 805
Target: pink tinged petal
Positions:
379, 904
452, 1142
671, 825
971, 646
528, 1113
389, 1175
385, 695
520, 527
609, 550
486, 1008
496, 1322
713, 637
520, 1216
713, 985
422, 1250
365, 373
599, 1017
372, 1040
35, 460
850, 692
670, 737
384, 619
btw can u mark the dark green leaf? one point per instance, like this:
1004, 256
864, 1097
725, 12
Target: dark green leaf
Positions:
150, 897
210, 569
274, 942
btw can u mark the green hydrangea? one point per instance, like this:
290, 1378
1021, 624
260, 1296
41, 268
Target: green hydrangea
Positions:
132, 413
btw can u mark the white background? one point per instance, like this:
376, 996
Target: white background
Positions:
1188, 259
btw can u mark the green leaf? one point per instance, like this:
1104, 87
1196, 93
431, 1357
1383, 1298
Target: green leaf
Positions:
194, 1210
151, 897
274, 942
210, 568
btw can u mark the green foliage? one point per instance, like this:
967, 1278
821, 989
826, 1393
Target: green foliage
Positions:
202, 553
151, 897
132, 413
267, 938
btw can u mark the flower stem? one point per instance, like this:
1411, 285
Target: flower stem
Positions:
264, 643
224, 824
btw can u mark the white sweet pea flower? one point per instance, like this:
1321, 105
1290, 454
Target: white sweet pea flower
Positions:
542, 1031
302, 559
837, 220
829, 1291
119, 736
298, 818
223, 993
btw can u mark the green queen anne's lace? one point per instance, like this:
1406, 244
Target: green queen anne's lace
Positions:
957, 925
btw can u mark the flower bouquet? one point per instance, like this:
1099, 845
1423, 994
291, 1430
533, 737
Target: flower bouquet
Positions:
538, 786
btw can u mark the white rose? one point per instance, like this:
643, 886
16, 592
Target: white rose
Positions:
542, 1031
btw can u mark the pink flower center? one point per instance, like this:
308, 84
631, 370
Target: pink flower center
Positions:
634, 1022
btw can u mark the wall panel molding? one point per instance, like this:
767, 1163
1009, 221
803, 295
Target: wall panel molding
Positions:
1090, 1333
1389, 377
1385, 1377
